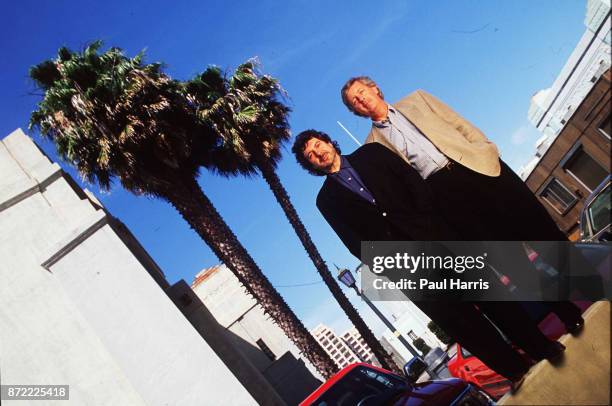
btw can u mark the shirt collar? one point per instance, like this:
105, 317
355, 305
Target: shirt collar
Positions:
344, 165
385, 123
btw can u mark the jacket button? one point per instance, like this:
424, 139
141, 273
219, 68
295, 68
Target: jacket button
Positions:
384, 214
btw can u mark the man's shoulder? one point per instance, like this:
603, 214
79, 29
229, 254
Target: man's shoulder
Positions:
371, 135
371, 147
416, 95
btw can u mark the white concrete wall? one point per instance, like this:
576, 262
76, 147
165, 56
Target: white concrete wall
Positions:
224, 296
407, 316
44, 339
590, 58
94, 319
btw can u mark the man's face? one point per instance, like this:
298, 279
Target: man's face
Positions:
366, 101
321, 155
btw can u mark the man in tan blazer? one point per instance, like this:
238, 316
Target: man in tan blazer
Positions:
474, 190
454, 136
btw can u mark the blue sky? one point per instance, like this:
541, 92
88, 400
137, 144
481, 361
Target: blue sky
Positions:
484, 58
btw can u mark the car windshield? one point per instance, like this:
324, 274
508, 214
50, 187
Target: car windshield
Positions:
585, 229
599, 211
360, 385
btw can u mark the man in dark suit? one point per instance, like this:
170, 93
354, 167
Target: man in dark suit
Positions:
373, 195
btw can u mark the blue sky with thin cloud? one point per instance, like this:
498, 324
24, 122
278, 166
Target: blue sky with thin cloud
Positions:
484, 58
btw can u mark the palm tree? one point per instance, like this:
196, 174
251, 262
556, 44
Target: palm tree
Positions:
248, 116
115, 117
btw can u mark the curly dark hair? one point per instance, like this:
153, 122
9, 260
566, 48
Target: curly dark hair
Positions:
366, 81
300, 143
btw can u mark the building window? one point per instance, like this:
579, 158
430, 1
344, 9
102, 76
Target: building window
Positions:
606, 127
558, 196
584, 168
412, 336
266, 350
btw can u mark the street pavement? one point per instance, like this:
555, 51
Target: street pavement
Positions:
582, 377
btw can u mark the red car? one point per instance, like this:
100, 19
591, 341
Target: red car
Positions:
366, 385
464, 365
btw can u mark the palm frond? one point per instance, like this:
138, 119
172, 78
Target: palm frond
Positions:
245, 112
44, 74
114, 116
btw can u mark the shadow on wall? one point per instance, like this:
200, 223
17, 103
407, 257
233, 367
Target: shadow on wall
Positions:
291, 378
270, 380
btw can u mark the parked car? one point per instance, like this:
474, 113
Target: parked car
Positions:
366, 385
462, 364
595, 215
436, 359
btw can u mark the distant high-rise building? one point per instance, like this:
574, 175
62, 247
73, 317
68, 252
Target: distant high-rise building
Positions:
335, 346
358, 345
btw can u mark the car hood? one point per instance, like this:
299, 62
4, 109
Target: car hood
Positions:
441, 392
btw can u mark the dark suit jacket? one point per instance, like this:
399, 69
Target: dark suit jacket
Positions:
403, 211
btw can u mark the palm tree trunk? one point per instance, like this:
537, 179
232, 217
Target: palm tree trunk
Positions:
189, 200
282, 197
